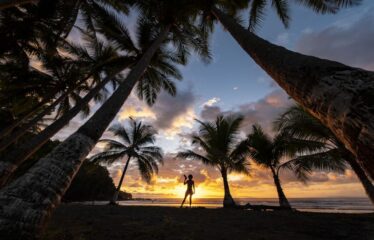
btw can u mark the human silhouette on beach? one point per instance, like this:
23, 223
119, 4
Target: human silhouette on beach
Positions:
190, 188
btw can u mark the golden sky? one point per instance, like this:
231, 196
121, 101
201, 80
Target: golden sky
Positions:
169, 183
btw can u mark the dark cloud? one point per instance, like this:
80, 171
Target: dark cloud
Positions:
168, 108
209, 113
352, 45
263, 111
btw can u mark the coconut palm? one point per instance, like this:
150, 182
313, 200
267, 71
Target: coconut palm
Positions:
221, 148
174, 25
300, 124
159, 75
270, 153
311, 81
137, 144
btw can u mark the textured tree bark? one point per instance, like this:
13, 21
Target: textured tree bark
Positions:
338, 95
228, 201
364, 179
115, 195
283, 201
27, 203
16, 157
12, 3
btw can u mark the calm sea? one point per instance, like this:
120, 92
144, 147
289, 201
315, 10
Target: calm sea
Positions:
334, 205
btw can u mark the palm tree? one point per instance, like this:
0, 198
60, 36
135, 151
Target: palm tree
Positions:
222, 149
269, 153
312, 81
159, 75
57, 169
137, 143
300, 124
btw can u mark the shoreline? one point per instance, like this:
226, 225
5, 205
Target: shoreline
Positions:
75, 222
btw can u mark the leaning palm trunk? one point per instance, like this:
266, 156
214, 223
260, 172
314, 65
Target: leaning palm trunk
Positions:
4, 4
116, 193
5, 142
8, 129
20, 154
338, 95
228, 201
365, 181
283, 201
27, 203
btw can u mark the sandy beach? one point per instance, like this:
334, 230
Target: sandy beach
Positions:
73, 222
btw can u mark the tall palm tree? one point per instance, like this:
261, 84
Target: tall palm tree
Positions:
159, 75
321, 86
57, 169
137, 144
300, 124
269, 153
222, 149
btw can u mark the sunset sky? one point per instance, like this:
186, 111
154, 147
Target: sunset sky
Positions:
233, 83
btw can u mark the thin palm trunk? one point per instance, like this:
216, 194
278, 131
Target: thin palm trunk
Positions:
283, 201
21, 153
28, 202
338, 95
8, 129
115, 195
228, 201
364, 179
5, 142
4, 4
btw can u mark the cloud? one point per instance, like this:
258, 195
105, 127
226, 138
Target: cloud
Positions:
169, 114
211, 101
263, 111
350, 44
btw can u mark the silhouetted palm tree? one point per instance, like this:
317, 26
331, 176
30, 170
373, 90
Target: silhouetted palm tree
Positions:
159, 75
334, 156
319, 92
174, 25
269, 153
221, 148
137, 144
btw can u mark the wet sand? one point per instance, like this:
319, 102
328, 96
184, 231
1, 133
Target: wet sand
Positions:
80, 222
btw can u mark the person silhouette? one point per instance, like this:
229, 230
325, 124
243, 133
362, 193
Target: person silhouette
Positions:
190, 188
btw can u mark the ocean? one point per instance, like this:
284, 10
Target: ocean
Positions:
332, 205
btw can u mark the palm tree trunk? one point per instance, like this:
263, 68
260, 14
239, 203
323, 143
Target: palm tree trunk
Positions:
21, 153
27, 203
12, 3
364, 179
228, 201
116, 193
8, 129
5, 142
283, 201
338, 95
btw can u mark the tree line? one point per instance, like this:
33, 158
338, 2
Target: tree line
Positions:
47, 75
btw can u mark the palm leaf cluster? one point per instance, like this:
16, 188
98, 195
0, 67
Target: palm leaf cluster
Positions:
137, 144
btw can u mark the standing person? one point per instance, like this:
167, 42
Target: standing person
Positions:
190, 188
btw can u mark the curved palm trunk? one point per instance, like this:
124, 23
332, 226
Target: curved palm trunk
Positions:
338, 95
115, 195
283, 201
21, 153
228, 201
4, 143
27, 203
8, 129
12, 3
366, 183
